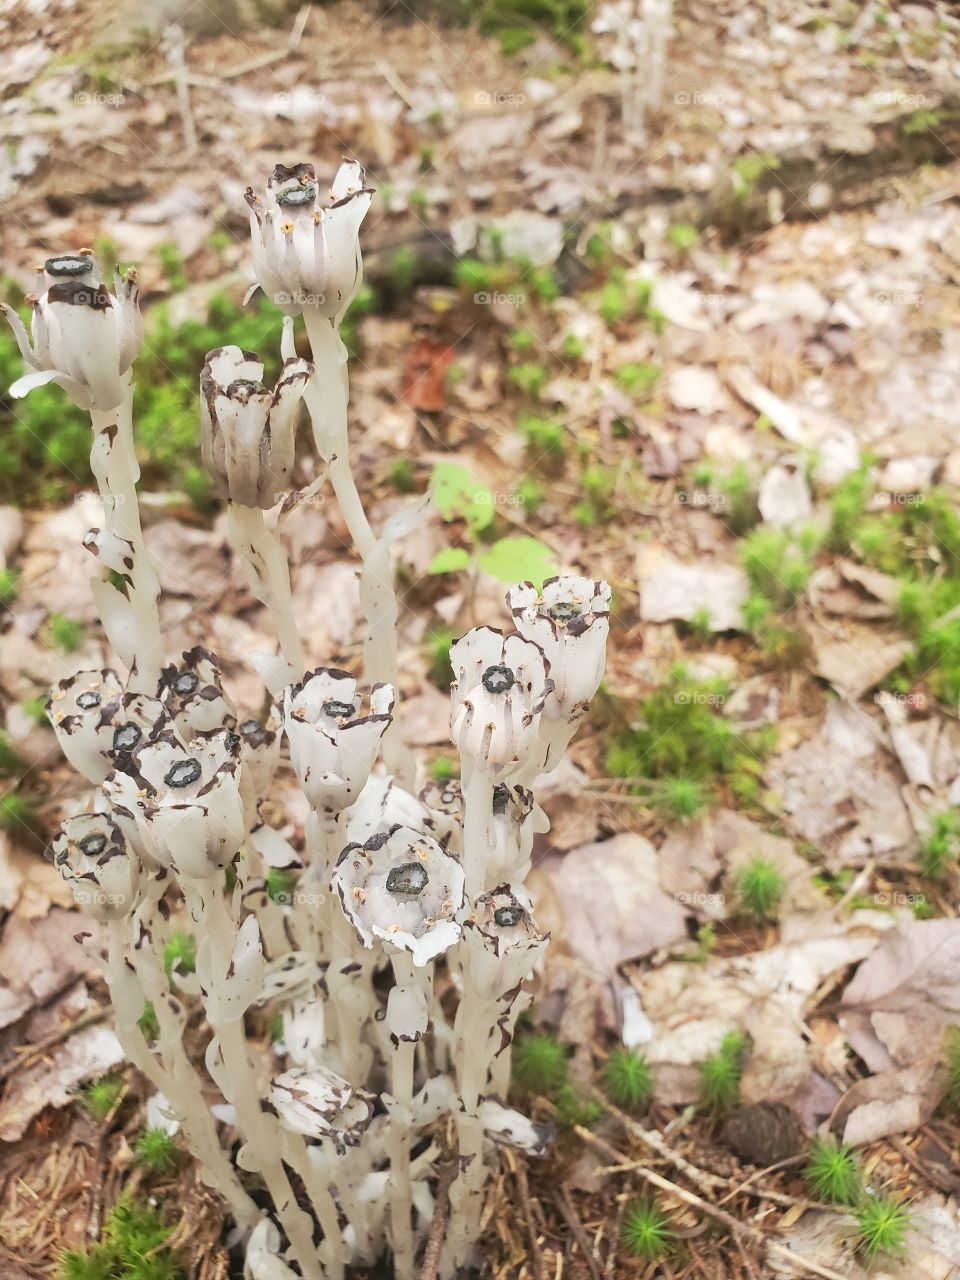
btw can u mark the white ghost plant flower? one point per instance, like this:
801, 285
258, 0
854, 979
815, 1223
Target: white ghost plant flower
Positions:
499, 688
333, 747
260, 742
82, 336
404, 890
77, 708
186, 800
101, 870
194, 695
248, 432
320, 1104
262, 1260
569, 620
501, 943
512, 828
382, 804
443, 802
307, 255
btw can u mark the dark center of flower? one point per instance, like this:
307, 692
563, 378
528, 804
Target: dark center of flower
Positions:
408, 880
564, 610
88, 700
93, 844
498, 679
126, 737
68, 264
501, 797
338, 710
183, 773
507, 917
186, 683
297, 197
250, 727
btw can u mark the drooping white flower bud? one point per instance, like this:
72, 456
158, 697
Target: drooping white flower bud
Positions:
500, 684
194, 695
306, 255
186, 800
320, 1104
259, 757
102, 871
332, 747
443, 802
402, 889
501, 944
262, 1260
247, 432
381, 805
569, 620
83, 337
77, 709
512, 829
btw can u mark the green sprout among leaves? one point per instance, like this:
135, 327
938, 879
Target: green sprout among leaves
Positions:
760, 888
627, 1078
539, 1064
720, 1073
645, 1231
101, 1096
882, 1225
180, 953
939, 847
133, 1247
157, 1151
832, 1172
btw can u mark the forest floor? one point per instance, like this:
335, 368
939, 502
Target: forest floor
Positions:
719, 368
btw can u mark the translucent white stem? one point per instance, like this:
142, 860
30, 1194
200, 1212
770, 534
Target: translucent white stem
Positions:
326, 396
398, 1139
113, 461
268, 573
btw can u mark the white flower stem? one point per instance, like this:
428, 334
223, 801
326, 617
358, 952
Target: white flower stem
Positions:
241, 1087
477, 821
113, 461
268, 573
321, 1198
326, 396
398, 1138
180, 1084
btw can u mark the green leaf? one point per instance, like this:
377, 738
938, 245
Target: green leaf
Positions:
458, 493
518, 559
450, 560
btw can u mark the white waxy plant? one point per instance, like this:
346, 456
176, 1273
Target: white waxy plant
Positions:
341, 1125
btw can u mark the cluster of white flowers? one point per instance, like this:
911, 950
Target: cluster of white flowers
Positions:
341, 1120
634, 35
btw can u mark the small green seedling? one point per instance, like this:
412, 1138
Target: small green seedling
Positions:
646, 1231
539, 1064
939, 847
832, 1172
132, 1247
157, 1151
720, 1073
760, 888
882, 1225
627, 1078
437, 642
951, 1056
180, 953
101, 1096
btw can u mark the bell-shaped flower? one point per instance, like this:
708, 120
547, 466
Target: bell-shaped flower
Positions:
403, 890
186, 800
82, 336
333, 747
305, 1031
501, 944
498, 692
512, 1129
293, 976
102, 871
320, 1104
248, 432
306, 255
137, 718
512, 831
80, 708
569, 620
263, 1260
259, 757
443, 802
194, 696
382, 804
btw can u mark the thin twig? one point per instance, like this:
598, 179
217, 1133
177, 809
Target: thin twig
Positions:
441, 1209
523, 1188
35, 1052
697, 1202
650, 1138
569, 1215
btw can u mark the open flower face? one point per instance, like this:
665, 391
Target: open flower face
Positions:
93, 857
306, 255
404, 890
247, 432
135, 719
333, 747
80, 709
83, 337
186, 800
321, 1104
569, 620
500, 683
501, 943
194, 696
